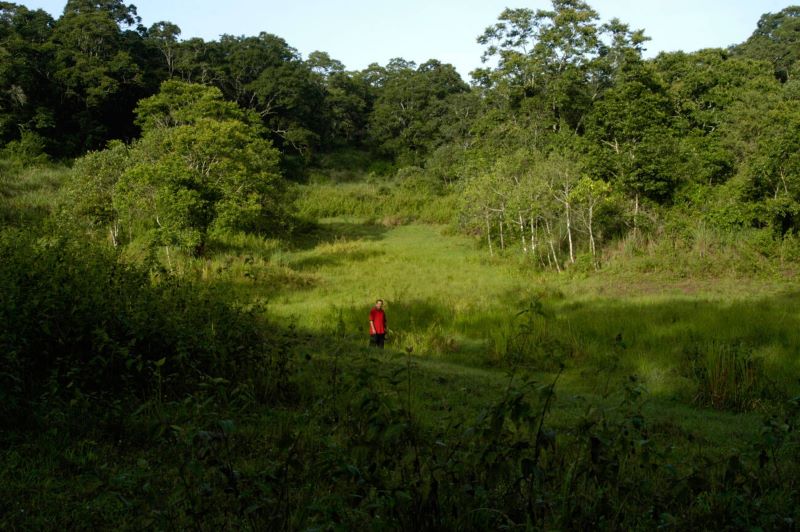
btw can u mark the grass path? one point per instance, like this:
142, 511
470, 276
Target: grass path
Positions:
408, 266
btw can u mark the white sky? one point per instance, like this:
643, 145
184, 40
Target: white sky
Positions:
359, 32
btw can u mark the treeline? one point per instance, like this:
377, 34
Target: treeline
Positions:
566, 140
582, 140
71, 84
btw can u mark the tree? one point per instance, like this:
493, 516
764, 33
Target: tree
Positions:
323, 65
195, 61
773, 173
631, 141
528, 196
180, 104
347, 108
265, 74
412, 109
562, 176
777, 40
589, 196
199, 167
165, 36
543, 59
121, 13
26, 92
98, 79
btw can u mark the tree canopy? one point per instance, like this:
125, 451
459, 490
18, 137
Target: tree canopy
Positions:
558, 84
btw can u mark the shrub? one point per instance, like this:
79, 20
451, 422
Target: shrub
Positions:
91, 185
28, 150
79, 328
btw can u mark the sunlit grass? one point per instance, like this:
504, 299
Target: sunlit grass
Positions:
29, 195
452, 304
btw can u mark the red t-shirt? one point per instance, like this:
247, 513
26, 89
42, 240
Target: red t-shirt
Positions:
378, 319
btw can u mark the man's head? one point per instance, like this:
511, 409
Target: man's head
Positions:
379, 303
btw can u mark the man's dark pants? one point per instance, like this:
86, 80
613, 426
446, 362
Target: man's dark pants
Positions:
377, 340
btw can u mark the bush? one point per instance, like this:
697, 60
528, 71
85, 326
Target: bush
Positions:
80, 329
90, 188
28, 150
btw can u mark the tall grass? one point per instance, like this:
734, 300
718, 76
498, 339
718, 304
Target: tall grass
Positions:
730, 377
700, 250
29, 195
385, 203
447, 301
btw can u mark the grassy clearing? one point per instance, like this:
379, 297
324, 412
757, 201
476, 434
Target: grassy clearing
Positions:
713, 360
457, 310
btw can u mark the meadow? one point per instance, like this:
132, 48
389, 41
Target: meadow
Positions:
692, 342
506, 398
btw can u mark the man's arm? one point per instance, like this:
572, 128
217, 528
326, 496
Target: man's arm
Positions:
372, 327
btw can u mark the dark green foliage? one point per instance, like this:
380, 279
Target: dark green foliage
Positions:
82, 331
651, 130
131, 398
199, 166
24, 99
776, 40
413, 108
265, 74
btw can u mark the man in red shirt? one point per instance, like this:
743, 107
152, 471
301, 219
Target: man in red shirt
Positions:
377, 325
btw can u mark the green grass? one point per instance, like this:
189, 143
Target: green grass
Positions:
28, 196
386, 203
714, 355
457, 309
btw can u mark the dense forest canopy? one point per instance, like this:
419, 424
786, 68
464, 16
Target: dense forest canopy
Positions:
566, 138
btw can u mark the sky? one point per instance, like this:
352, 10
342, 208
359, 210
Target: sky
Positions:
360, 32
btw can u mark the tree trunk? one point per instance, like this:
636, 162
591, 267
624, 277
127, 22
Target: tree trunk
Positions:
591, 232
555, 257
522, 235
569, 231
592, 245
114, 232
502, 239
489, 235
552, 246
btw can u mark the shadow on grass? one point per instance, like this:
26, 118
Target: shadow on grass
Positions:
337, 258
252, 245
248, 288
670, 344
23, 216
329, 232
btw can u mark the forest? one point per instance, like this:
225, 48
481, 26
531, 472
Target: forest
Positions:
589, 260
